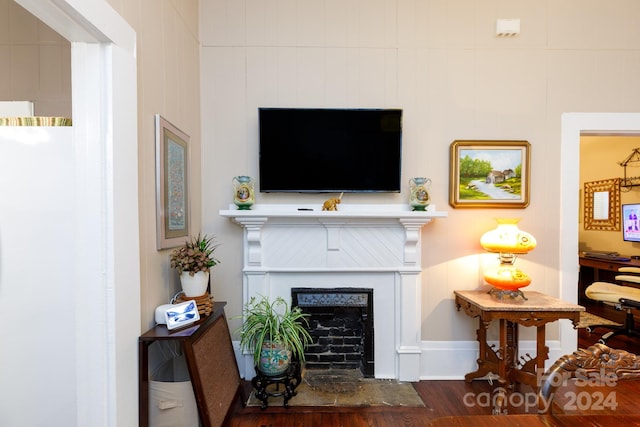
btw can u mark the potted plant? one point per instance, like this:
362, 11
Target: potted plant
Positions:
194, 260
275, 333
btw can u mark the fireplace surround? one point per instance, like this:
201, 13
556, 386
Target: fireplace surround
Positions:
376, 247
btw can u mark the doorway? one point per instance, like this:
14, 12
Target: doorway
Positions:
573, 125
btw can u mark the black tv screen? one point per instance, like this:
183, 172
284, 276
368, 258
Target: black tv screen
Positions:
311, 150
631, 222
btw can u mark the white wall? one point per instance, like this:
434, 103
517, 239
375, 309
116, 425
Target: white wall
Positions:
81, 370
442, 63
36, 283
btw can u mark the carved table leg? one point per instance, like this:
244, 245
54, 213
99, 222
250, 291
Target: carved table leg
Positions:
487, 357
511, 361
542, 351
504, 352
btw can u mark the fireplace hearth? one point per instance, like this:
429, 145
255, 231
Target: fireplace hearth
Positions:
341, 325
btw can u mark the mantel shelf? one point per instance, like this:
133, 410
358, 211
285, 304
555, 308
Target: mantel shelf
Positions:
344, 212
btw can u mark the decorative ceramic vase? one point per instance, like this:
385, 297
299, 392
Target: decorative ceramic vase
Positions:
274, 359
244, 195
196, 285
419, 196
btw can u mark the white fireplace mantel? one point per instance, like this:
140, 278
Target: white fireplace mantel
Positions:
371, 246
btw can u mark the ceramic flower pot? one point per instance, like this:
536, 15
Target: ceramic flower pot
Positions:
274, 359
196, 285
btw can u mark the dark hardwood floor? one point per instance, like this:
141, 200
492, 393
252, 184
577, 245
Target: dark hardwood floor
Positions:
445, 398
442, 398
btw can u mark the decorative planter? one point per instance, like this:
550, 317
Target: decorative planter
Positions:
274, 359
196, 285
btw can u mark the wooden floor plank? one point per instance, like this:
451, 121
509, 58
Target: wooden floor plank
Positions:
441, 398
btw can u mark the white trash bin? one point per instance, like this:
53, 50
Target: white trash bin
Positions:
171, 399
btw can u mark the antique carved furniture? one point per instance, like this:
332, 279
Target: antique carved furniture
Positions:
537, 311
597, 362
277, 385
211, 362
624, 295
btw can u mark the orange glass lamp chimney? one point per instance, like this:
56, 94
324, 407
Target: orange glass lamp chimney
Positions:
508, 241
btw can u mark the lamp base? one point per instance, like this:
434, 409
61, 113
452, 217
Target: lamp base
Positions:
512, 293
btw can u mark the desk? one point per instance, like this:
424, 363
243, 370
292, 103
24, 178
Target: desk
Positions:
598, 269
537, 310
602, 265
211, 362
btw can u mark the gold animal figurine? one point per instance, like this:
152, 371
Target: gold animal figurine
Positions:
332, 203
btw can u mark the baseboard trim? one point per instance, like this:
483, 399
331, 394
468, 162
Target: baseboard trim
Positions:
452, 360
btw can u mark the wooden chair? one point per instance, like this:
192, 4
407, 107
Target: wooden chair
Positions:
624, 295
597, 360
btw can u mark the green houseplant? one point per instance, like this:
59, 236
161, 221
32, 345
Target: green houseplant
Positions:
274, 333
194, 260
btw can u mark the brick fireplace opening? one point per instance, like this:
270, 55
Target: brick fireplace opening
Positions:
341, 325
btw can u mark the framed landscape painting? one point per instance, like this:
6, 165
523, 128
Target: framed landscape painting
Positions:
489, 174
172, 185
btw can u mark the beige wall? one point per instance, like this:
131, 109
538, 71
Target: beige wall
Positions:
168, 84
442, 63
599, 160
36, 62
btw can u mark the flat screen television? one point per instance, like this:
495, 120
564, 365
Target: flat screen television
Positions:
631, 222
312, 150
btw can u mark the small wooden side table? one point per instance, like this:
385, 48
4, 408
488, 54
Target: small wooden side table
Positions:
537, 310
211, 362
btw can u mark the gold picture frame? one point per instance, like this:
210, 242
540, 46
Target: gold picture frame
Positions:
173, 215
602, 205
489, 174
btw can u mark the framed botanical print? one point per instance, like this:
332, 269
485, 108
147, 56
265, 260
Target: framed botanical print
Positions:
172, 185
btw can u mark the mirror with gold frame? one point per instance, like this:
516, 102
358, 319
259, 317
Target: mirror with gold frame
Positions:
602, 205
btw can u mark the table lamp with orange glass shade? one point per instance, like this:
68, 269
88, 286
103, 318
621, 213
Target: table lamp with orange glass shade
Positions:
508, 241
